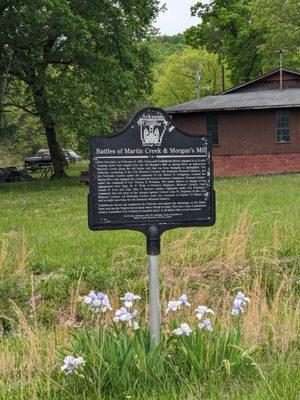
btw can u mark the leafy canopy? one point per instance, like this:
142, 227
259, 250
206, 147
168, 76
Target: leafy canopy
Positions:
88, 59
163, 46
175, 78
227, 30
280, 20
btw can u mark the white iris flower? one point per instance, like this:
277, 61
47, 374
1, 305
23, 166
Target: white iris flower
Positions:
174, 305
203, 310
183, 330
206, 324
239, 303
97, 302
135, 325
71, 363
123, 315
129, 298
184, 300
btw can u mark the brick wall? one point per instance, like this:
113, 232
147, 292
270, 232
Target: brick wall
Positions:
256, 164
244, 132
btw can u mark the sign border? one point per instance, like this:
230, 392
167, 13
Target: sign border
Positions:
144, 227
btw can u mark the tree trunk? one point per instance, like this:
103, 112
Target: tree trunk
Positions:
56, 153
1, 98
2, 83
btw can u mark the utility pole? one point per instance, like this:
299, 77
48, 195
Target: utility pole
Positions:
198, 79
281, 53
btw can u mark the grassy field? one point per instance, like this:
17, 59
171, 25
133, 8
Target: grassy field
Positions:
52, 217
49, 259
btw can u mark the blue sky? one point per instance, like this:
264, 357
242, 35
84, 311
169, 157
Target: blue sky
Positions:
177, 18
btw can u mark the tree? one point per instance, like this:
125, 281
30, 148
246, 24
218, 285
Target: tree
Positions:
281, 21
175, 78
77, 61
20, 134
163, 46
5, 62
227, 29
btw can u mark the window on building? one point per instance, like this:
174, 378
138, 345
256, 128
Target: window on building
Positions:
283, 129
212, 128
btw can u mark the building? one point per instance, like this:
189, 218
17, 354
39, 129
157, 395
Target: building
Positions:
255, 127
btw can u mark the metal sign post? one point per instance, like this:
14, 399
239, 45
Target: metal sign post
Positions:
153, 250
151, 177
154, 303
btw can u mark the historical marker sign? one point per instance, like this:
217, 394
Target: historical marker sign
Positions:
151, 177
150, 174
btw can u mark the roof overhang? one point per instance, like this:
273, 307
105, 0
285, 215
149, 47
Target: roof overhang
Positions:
254, 100
231, 109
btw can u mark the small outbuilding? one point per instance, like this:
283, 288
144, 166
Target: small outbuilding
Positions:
255, 127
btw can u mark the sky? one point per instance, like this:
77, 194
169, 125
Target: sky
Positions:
177, 18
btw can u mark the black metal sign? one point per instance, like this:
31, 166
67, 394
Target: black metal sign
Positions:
150, 177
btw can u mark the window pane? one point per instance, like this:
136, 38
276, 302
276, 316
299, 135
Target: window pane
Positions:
212, 127
282, 126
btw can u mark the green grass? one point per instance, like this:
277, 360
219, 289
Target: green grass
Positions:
48, 258
49, 219
118, 364
53, 216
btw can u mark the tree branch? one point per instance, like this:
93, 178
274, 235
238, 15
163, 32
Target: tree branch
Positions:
188, 76
174, 94
21, 107
59, 62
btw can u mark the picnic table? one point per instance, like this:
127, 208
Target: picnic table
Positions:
43, 166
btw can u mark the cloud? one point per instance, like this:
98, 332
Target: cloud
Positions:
177, 18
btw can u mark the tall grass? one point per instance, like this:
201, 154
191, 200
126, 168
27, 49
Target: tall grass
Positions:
120, 364
117, 361
54, 217
211, 268
42, 317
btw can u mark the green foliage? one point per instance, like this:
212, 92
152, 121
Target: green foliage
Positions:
164, 46
77, 62
227, 30
119, 362
116, 361
175, 78
20, 135
281, 382
248, 34
120, 365
280, 21
203, 354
